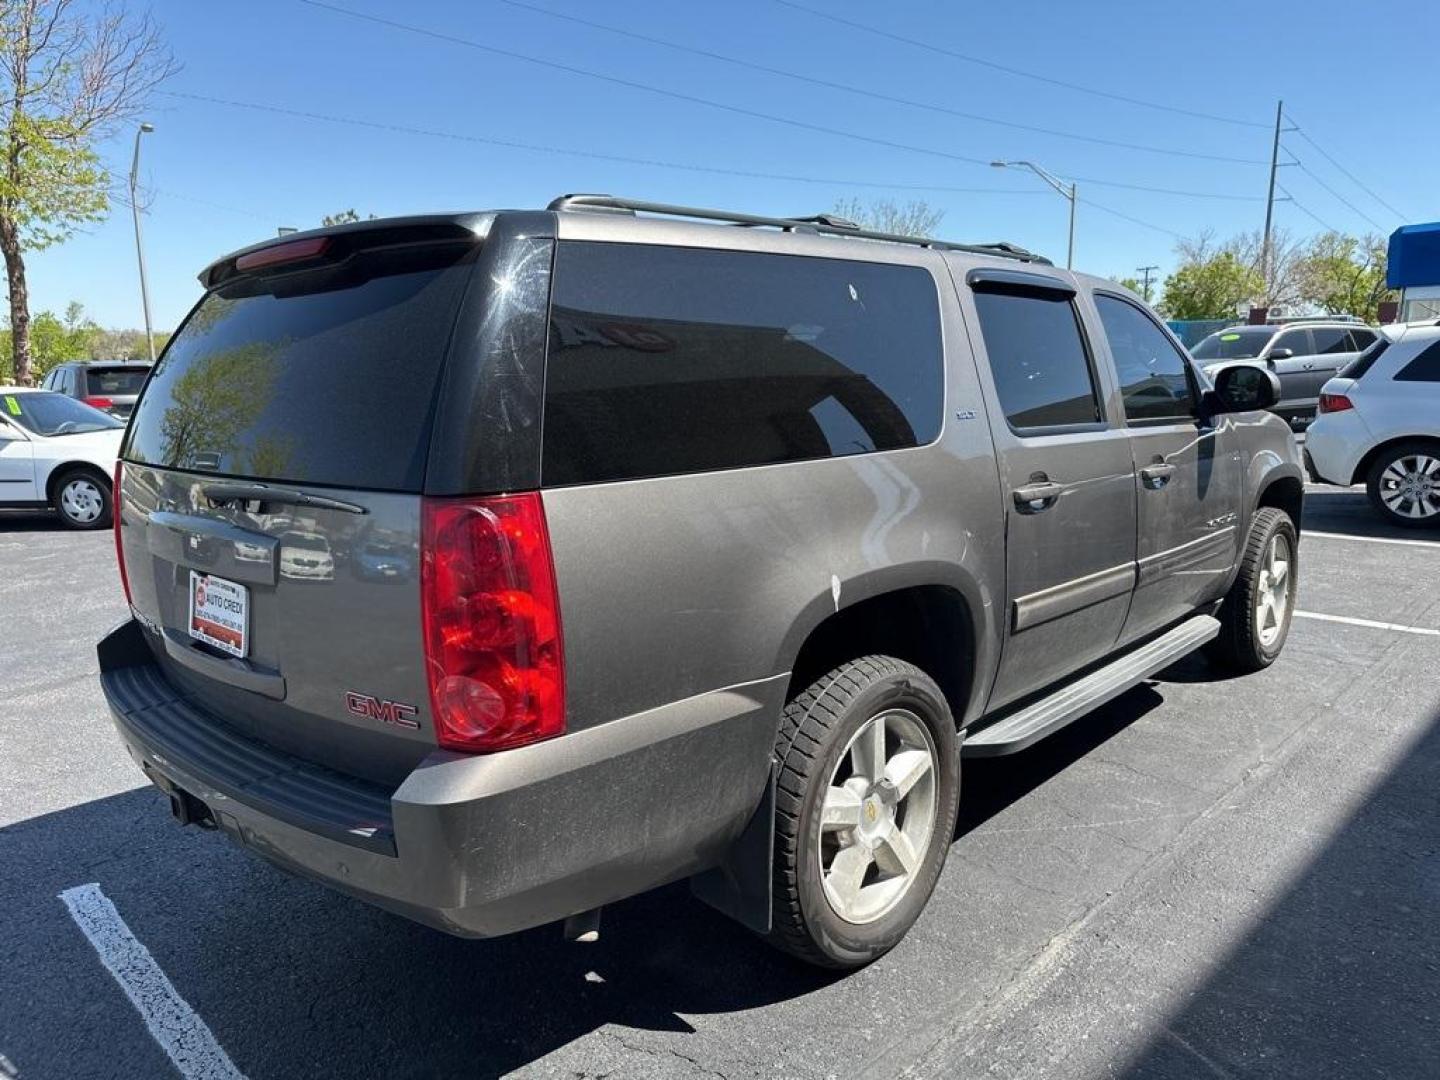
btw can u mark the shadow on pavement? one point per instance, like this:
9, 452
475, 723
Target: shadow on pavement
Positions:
1348, 511
15, 521
1341, 978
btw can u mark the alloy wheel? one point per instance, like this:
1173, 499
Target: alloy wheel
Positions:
878, 816
1272, 595
1410, 486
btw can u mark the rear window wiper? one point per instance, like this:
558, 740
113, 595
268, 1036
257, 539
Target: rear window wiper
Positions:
220, 494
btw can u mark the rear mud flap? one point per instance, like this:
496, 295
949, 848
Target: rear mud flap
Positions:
740, 885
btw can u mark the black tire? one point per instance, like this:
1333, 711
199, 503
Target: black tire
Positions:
1240, 647
817, 728
101, 484
1375, 479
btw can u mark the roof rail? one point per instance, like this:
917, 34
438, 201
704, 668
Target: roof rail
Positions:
828, 224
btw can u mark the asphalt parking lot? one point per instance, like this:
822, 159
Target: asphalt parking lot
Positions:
1206, 878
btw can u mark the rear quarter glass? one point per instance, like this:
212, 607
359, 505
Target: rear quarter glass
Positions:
326, 376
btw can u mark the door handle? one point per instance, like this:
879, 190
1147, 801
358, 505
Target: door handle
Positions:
1040, 494
1157, 476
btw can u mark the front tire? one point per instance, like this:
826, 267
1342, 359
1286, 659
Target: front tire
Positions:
83, 500
1255, 617
866, 801
1404, 485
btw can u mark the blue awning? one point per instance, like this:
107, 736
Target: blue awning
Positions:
1414, 256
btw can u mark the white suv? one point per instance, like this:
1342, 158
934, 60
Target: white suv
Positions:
1379, 424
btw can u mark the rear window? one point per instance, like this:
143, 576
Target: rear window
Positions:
670, 360
45, 413
1365, 361
120, 381
322, 377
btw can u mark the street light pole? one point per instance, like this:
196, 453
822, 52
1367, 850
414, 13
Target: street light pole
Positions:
144, 129
1067, 190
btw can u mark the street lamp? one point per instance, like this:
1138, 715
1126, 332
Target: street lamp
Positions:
144, 129
1067, 190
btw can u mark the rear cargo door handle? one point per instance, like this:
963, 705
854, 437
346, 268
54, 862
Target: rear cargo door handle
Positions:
1155, 477
1040, 494
231, 670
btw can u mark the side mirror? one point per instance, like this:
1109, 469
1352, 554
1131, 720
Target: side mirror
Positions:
1245, 388
1280, 354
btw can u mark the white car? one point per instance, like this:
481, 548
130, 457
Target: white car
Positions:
1379, 424
57, 452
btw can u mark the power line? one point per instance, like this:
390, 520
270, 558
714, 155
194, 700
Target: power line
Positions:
1133, 220
1351, 176
1308, 212
930, 47
873, 94
404, 129
1340, 198
738, 110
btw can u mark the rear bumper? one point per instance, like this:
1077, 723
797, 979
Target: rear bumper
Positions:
475, 845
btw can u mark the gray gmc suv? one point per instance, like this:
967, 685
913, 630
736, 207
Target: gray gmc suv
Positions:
493, 567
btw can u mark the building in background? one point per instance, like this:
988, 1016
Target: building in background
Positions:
1414, 271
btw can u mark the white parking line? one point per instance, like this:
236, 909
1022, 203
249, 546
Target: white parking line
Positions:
1431, 544
1371, 623
172, 1023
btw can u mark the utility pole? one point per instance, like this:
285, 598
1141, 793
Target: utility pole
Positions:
1145, 280
1270, 202
143, 129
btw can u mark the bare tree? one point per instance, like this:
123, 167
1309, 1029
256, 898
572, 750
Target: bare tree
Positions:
914, 218
69, 77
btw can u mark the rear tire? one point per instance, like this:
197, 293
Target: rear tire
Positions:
1255, 617
1404, 485
83, 499
865, 810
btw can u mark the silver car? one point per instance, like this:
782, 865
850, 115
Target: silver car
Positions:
495, 567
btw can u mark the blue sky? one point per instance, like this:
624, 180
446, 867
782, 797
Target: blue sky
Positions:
1359, 79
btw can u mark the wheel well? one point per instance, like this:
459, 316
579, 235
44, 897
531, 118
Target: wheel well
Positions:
1362, 470
52, 484
927, 625
1287, 494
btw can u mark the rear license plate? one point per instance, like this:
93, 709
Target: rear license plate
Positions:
219, 612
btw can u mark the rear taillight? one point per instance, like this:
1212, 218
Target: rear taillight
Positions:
99, 402
1334, 403
493, 649
115, 519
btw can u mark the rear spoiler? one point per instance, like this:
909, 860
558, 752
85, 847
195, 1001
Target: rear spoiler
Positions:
339, 241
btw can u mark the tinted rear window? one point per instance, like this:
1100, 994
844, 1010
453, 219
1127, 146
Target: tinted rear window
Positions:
325, 377
1424, 368
1365, 361
669, 360
1038, 357
115, 380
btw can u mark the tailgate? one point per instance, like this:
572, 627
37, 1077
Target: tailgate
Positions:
270, 502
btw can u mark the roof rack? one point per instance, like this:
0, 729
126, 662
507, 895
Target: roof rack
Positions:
827, 224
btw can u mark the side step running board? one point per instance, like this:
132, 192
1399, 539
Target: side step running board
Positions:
1070, 702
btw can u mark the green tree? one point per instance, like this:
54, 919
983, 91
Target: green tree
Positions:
1216, 288
914, 218
1345, 275
344, 217
1131, 283
68, 77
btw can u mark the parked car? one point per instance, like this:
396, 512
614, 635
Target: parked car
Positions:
1303, 354
110, 385
731, 542
59, 453
1379, 425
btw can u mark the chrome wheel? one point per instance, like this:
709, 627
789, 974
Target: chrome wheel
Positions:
1272, 593
1410, 486
81, 501
877, 816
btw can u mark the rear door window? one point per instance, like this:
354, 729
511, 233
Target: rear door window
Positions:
668, 360
1297, 341
1424, 368
1332, 339
1154, 378
1038, 357
323, 377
